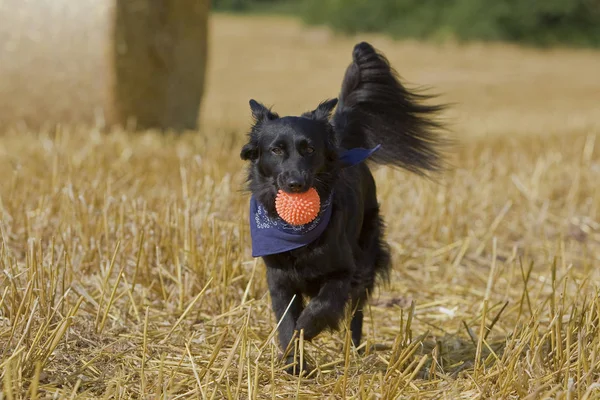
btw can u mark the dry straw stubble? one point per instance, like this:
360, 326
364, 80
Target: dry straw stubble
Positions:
126, 269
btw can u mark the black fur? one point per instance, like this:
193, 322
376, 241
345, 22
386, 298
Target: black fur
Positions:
341, 267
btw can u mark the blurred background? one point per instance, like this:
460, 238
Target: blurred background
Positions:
172, 65
125, 263
552, 22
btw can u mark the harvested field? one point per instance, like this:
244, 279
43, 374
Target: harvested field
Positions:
125, 261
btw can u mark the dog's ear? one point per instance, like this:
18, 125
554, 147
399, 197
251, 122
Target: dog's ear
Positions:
323, 110
249, 152
260, 112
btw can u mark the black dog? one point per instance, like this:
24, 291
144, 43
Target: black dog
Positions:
335, 260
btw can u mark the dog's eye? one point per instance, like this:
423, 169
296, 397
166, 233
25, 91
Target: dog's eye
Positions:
310, 150
277, 151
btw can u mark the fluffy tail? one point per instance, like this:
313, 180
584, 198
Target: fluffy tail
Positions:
375, 108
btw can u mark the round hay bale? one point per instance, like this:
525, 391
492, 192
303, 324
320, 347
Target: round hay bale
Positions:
53, 66
102, 61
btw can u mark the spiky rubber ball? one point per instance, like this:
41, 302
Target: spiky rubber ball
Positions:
298, 208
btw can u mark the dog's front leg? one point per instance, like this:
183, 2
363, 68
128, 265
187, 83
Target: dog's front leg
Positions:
282, 296
325, 310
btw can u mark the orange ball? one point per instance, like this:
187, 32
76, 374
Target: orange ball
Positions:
298, 208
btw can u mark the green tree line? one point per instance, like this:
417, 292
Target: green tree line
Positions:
533, 22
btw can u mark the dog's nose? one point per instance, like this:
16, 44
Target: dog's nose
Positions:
295, 185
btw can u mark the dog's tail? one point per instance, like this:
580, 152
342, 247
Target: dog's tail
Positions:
375, 108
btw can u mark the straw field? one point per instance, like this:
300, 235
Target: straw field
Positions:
125, 268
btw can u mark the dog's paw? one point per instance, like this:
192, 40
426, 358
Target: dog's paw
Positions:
293, 367
361, 351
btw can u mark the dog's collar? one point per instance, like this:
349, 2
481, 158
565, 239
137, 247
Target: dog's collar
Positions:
272, 235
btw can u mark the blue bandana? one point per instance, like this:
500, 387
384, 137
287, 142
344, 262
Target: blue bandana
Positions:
274, 235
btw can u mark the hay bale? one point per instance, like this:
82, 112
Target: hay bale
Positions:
52, 64
97, 61
159, 52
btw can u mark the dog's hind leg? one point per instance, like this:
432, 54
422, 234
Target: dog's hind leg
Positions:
376, 252
374, 261
356, 324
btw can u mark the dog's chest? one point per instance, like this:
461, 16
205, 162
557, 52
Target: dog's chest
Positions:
311, 268
308, 263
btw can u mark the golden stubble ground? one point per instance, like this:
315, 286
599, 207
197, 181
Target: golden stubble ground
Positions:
125, 262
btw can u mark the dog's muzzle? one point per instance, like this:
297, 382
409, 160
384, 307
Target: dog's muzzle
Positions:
293, 181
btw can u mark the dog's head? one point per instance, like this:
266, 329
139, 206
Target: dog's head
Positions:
290, 153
